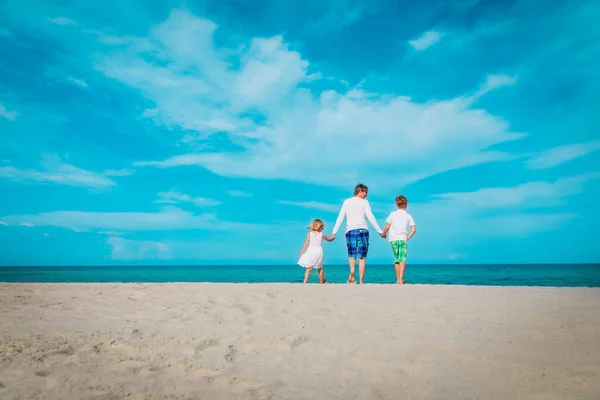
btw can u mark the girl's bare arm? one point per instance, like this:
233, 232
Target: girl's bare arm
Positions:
305, 244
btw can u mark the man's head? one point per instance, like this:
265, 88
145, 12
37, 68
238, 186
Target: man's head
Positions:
401, 202
361, 190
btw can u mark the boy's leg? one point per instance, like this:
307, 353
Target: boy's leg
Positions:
397, 268
307, 274
352, 264
400, 267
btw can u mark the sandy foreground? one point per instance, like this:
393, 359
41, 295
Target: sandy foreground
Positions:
292, 341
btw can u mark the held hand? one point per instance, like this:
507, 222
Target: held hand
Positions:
333, 237
383, 235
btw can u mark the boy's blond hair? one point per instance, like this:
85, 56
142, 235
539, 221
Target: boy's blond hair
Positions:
317, 225
401, 201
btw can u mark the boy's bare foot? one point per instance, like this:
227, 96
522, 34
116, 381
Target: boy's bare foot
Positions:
400, 283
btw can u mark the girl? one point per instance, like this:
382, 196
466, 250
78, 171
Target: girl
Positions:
313, 258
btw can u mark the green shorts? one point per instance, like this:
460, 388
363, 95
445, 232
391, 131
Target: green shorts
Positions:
399, 249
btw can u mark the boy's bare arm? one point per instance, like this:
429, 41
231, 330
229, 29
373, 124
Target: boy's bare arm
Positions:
386, 229
413, 230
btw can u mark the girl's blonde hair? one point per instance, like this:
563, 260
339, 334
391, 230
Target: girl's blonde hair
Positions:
317, 225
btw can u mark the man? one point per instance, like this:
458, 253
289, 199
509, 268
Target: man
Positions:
355, 209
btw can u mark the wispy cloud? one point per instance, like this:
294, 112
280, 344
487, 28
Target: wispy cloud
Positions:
2, 223
426, 40
168, 219
109, 233
9, 115
118, 172
526, 195
562, 154
127, 249
332, 208
239, 193
55, 171
62, 21
27, 224
77, 81
493, 82
175, 197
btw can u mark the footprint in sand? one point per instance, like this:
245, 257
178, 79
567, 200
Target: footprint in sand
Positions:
230, 356
298, 341
205, 344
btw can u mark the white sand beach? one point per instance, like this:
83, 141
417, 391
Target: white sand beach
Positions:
291, 341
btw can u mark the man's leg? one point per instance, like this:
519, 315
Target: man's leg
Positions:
363, 249
362, 266
352, 264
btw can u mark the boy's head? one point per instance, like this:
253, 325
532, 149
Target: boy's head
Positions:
361, 190
401, 202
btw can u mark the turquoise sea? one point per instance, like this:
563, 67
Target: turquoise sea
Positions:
583, 275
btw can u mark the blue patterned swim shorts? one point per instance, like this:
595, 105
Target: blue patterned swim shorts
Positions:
357, 241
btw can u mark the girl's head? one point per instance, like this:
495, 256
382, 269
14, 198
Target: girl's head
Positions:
317, 225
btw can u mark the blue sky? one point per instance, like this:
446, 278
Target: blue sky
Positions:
200, 132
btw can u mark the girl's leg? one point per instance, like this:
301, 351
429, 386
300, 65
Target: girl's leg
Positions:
322, 275
306, 274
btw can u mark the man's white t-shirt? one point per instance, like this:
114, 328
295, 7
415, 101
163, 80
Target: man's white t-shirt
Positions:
400, 220
355, 209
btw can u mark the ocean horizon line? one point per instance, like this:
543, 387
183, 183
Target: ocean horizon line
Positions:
293, 265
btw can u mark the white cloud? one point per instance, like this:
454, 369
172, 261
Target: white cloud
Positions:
118, 172
531, 194
55, 171
62, 21
109, 233
126, 249
499, 211
9, 115
46, 234
239, 193
426, 40
27, 225
75, 229
561, 154
168, 219
77, 81
175, 197
334, 208
493, 82
3, 223
194, 88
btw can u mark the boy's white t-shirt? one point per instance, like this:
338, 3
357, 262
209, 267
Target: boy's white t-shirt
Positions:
400, 220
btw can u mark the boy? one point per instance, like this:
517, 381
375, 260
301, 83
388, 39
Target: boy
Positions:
397, 224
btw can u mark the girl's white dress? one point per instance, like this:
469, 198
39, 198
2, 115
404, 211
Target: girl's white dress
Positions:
313, 257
